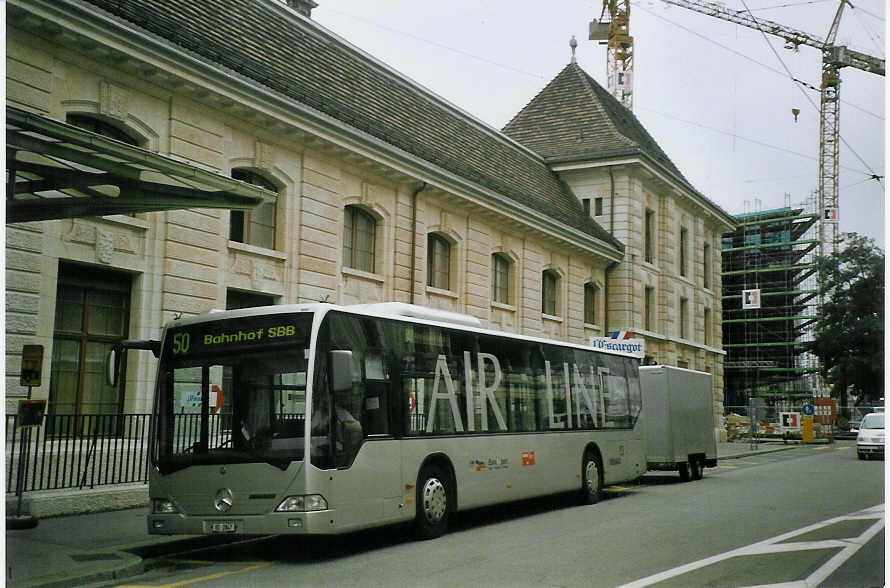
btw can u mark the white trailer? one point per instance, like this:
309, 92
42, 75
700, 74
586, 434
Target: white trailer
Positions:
678, 412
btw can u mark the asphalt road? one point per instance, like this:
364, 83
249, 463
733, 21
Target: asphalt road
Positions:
762, 520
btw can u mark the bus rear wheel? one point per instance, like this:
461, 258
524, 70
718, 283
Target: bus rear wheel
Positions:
433, 503
592, 479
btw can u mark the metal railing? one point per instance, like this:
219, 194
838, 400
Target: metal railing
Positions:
89, 450
77, 451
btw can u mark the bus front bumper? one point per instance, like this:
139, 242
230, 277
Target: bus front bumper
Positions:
276, 523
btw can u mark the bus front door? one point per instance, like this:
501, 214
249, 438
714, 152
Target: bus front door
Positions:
367, 485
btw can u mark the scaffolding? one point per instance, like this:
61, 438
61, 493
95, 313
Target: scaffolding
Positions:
767, 332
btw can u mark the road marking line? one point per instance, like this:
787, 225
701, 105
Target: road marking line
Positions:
849, 546
250, 568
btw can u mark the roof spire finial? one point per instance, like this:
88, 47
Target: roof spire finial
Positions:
573, 44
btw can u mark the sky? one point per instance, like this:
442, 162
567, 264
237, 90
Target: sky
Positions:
717, 97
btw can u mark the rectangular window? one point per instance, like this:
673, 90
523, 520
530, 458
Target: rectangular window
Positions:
92, 312
257, 226
590, 301
500, 279
684, 242
684, 318
239, 299
359, 234
648, 236
438, 262
649, 309
707, 266
586, 203
549, 288
598, 207
707, 338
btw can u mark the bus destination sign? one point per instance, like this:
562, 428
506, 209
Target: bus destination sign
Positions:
225, 336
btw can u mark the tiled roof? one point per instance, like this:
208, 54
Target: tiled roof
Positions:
574, 118
301, 60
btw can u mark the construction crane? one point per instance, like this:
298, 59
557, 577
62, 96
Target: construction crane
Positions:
615, 33
834, 57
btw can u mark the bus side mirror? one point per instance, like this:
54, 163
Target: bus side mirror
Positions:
111, 366
341, 370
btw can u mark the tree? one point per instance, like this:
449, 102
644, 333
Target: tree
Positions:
849, 335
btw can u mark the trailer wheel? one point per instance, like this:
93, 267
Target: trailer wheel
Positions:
433, 502
696, 468
592, 479
683, 468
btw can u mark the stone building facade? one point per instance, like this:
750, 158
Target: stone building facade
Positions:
385, 192
667, 288
441, 179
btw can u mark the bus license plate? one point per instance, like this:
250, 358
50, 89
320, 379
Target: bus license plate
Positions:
222, 527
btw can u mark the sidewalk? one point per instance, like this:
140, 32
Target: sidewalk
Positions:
738, 449
85, 548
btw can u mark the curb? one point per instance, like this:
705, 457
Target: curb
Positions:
758, 452
44, 504
130, 565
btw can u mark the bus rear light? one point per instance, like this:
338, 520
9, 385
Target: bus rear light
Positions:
163, 506
306, 503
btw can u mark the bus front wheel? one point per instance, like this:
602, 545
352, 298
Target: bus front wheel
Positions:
592, 472
433, 502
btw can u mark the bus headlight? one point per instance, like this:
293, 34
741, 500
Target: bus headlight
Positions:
163, 506
305, 503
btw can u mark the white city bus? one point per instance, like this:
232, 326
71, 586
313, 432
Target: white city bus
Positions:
318, 419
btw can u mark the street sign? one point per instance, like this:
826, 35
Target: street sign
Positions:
790, 420
808, 410
32, 365
31, 413
751, 298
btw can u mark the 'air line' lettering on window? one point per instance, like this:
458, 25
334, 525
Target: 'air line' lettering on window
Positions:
587, 393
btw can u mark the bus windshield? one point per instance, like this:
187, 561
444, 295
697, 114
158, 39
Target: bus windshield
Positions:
233, 391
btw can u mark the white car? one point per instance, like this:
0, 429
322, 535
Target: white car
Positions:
870, 440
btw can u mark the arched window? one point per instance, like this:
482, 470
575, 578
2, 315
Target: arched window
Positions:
100, 126
438, 259
257, 226
500, 278
591, 295
359, 236
549, 292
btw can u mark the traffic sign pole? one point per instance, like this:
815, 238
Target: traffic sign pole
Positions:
30, 414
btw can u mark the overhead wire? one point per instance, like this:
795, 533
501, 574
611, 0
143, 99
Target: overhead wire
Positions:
809, 99
750, 140
800, 83
436, 44
789, 5
751, 59
879, 46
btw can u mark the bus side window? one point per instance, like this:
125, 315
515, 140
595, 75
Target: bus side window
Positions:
635, 393
375, 406
615, 393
